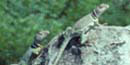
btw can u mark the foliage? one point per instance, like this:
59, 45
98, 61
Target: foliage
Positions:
21, 19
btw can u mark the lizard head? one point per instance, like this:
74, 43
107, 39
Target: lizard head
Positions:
100, 9
41, 35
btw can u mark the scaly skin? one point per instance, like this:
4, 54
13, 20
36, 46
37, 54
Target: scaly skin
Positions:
92, 17
35, 47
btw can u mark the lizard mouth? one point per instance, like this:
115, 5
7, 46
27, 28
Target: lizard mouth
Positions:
101, 8
103, 5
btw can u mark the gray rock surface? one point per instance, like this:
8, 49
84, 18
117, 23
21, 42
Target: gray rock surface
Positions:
105, 45
108, 45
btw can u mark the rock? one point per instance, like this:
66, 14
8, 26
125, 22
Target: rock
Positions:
110, 45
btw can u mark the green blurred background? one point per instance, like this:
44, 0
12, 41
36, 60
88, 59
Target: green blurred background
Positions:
21, 19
